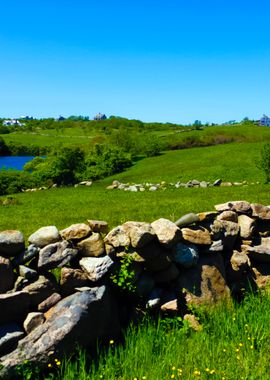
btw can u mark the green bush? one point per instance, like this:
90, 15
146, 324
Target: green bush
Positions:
14, 181
263, 162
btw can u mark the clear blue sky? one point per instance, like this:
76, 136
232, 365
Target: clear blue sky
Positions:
173, 60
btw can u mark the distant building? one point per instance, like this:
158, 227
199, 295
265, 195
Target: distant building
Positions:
12, 122
100, 116
264, 121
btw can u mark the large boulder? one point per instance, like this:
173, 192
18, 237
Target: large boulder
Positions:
6, 275
11, 243
78, 319
44, 236
205, 283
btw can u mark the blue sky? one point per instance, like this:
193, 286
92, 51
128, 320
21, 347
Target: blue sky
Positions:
152, 60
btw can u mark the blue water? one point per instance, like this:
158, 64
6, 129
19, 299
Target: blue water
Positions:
14, 162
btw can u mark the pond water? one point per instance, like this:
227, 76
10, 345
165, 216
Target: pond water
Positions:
14, 162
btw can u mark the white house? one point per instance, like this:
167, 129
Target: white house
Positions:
12, 122
100, 116
265, 121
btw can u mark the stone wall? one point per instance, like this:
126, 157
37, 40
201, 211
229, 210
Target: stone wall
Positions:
84, 282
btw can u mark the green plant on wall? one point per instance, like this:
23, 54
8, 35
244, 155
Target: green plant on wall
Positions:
124, 277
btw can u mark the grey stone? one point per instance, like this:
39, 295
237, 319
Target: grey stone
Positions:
203, 184
39, 290
32, 321
31, 252
185, 255
56, 255
187, 219
44, 236
92, 246
27, 273
11, 243
96, 267
10, 334
80, 318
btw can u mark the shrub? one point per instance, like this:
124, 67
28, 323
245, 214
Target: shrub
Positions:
263, 162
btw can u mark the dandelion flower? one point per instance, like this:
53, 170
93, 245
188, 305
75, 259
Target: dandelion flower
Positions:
212, 371
252, 347
49, 365
241, 344
173, 368
111, 341
58, 363
173, 376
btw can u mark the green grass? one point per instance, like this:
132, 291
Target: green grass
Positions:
233, 344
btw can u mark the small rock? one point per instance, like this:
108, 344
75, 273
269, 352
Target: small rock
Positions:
98, 226
217, 182
49, 302
31, 252
96, 267
92, 246
170, 308
27, 273
238, 206
185, 255
32, 321
76, 232
230, 216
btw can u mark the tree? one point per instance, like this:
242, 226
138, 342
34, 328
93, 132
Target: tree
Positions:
263, 162
4, 150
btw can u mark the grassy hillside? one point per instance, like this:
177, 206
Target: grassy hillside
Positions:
63, 206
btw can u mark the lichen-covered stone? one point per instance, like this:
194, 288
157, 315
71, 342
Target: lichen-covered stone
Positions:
93, 246
167, 232
76, 231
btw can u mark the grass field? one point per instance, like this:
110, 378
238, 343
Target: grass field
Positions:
233, 344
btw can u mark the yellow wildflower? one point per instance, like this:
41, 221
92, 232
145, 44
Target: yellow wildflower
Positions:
173, 376
49, 365
212, 371
173, 368
111, 341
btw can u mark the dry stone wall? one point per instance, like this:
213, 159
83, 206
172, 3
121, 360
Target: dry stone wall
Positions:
84, 282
